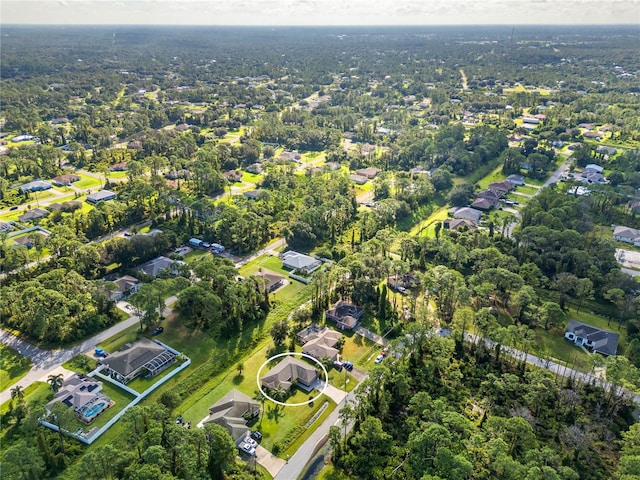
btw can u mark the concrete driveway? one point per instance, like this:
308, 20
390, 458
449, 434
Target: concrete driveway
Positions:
269, 461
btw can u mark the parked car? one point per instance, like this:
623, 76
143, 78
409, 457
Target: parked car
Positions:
246, 448
379, 358
250, 441
15, 207
256, 435
347, 365
157, 331
100, 352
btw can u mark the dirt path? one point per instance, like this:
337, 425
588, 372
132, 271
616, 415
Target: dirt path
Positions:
464, 80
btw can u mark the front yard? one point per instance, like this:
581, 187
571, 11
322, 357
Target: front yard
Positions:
13, 366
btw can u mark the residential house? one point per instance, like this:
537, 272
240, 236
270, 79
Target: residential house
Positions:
272, 281
255, 168
606, 150
490, 195
232, 412
593, 338
369, 172
634, 206
293, 260
154, 267
468, 214
531, 120
292, 156
501, 188
6, 227
36, 186
627, 235
459, 224
482, 204
402, 282
27, 240
288, 372
65, 180
516, 179
358, 179
143, 356
34, 214
126, 285
346, 315
118, 167
233, 176
579, 190
319, 342
176, 174
101, 196
592, 135
83, 394
592, 177
133, 144
593, 168
253, 194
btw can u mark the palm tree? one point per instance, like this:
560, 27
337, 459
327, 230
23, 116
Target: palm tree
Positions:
259, 396
55, 381
17, 392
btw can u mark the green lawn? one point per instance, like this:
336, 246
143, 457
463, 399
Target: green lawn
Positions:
358, 349
566, 351
38, 393
495, 176
251, 177
428, 227
267, 262
13, 366
87, 181
527, 189
115, 343
342, 378
329, 472
140, 384
115, 175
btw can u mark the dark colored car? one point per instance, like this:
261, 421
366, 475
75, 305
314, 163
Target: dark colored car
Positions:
157, 331
347, 365
15, 207
256, 435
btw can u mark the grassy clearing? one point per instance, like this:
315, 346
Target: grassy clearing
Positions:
115, 343
358, 349
114, 175
427, 227
342, 379
268, 262
13, 366
38, 393
329, 472
496, 175
252, 177
140, 384
527, 189
87, 181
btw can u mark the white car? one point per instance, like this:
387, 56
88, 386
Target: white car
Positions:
246, 448
378, 359
251, 442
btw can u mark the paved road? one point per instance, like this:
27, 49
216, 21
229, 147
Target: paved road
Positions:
296, 464
46, 361
555, 176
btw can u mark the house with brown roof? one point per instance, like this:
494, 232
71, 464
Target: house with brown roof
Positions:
319, 342
233, 176
482, 204
65, 180
369, 172
137, 358
126, 285
288, 372
232, 412
118, 167
272, 281
345, 314
501, 188
456, 224
83, 394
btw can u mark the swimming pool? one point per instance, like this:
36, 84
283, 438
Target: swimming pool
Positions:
94, 410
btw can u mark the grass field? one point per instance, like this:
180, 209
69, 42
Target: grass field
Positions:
87, 181
527, 189
13, 367
495, 176
427, 227
329, 472
36, 393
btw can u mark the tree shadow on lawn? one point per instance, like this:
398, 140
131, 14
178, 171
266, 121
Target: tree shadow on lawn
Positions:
275, 413
238, 379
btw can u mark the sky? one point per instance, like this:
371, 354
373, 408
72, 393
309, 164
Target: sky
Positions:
321, 12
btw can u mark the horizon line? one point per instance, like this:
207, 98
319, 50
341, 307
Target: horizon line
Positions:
632, 24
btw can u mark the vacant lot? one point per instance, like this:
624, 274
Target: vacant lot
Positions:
13, 366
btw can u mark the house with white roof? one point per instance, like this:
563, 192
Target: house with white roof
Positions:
292, 260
